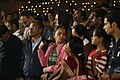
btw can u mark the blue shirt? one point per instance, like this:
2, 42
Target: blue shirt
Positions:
34, 44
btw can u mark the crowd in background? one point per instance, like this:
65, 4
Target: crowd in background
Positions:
62, 46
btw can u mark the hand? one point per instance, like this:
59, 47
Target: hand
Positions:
105, 76
42, 43
44, 70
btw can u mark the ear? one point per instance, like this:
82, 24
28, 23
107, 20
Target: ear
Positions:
114, 24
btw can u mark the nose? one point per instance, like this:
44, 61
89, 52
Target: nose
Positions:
104, 27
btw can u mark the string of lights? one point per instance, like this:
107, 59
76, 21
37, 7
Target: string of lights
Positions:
65, 5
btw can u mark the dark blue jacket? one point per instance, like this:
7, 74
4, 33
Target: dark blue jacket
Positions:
32, 67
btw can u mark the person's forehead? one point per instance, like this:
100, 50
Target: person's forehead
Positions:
23, 18
105, 20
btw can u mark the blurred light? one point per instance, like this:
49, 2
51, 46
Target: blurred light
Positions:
113, 4
39, 5
19, 12
37, 14
83, 9
91, 5
36, 6
94, 3
70, 4
58, 4
88, 9
51, 7
19, 9
43, 11
75, 4
66, 1
31, 6
88, 3
31, 9
67, 10
45, 2
48, 2
83, 3
35, 11
28, 1
52, 2
47, 11
55, 0
22, 6
84, 6
42, 3
28, 9
73, 1
114, 1
44, 8
26, 6
73, 9
47, 8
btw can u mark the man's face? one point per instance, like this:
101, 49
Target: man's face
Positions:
108, 27
25, 21
94, 19
50, 17
34, 30
76, 16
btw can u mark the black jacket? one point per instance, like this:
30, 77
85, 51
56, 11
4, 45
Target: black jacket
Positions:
32, 67
10, 58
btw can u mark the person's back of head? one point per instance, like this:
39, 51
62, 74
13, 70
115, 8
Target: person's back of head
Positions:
81, 30
15, 22
3, 30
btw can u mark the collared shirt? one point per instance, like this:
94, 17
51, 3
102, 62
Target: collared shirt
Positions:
34, 44
114, 66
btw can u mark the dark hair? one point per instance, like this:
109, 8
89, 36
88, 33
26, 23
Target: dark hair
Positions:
3, 30
58, 27
81, 30
100, 13
39, 23
100, 32
82, 13
76, 46
27, 14
105, 5
14, 21
51, 13
113, 15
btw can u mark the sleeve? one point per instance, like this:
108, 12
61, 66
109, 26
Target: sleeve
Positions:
42, 58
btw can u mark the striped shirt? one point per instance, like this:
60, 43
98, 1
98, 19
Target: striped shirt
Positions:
100, 61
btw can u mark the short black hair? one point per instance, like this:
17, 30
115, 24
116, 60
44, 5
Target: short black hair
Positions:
14, 21
3, 30
114, 16
27, 14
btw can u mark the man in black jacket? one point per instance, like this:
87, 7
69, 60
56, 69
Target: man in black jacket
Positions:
10, 55
32, 67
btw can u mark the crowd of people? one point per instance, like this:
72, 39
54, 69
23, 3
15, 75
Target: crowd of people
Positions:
71, 47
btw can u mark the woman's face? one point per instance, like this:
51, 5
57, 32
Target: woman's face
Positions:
95, 39
74, 33
60, 35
